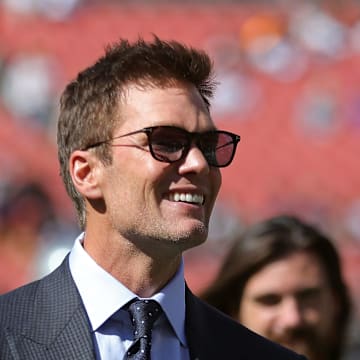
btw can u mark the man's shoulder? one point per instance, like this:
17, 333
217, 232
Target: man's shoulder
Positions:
21, 303
16, 302
45, 320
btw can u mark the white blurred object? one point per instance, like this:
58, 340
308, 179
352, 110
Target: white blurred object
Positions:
319, 32
20, 6
28, 86
267, 46
56, 242
53, 9
236, 93
55, 258
316, 112
57, 9
352, 219
282, 59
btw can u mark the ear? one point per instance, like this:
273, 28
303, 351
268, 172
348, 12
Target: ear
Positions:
83, 168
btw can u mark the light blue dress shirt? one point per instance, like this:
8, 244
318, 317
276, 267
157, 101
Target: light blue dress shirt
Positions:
104, 296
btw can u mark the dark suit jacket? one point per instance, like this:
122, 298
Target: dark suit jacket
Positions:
46, 320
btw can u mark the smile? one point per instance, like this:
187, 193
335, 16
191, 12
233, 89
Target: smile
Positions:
187, 197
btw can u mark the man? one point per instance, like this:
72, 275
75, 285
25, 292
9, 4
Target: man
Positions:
282, 279
140, 157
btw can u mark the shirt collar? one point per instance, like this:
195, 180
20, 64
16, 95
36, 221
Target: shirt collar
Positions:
93, 281
172, 300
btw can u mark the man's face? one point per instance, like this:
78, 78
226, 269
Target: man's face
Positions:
139, 191
289, 301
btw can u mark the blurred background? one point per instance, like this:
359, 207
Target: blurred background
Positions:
289, 74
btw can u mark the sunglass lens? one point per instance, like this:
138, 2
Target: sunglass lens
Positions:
167, 143
218, 148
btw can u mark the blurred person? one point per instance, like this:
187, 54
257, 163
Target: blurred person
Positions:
140, 157
24, 213
282, 279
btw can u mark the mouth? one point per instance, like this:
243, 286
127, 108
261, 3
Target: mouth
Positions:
186, 197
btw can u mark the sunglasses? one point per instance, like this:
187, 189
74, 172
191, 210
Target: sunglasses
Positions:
170, 144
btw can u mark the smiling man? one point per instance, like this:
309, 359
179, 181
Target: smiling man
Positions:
140, 157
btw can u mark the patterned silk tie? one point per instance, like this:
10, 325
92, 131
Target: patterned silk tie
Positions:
143, 315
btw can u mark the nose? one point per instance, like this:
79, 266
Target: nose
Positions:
290, 313
194, 162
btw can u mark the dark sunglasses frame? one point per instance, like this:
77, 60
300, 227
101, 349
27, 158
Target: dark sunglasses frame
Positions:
190, 138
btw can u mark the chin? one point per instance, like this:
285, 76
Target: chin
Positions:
192, 237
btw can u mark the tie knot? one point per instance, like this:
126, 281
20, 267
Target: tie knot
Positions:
143, 315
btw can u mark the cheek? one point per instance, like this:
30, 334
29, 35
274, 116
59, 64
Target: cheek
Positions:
122, 187
216, 180
132, 179
256, 317
314, 315
323, 316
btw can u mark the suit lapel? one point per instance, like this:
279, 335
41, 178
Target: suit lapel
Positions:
58, 327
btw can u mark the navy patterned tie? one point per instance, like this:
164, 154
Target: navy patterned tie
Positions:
143, 315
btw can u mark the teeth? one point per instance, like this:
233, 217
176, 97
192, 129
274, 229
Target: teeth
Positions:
187, 197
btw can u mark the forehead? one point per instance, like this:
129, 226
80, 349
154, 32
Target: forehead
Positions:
177, 104
288, 275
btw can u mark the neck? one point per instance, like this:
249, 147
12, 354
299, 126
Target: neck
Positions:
142, 273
